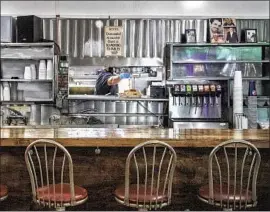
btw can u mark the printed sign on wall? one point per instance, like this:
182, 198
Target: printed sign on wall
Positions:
113, 40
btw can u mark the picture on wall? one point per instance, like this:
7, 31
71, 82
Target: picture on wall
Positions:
229, 22
190, 35
216, 30
251, 35
230, 35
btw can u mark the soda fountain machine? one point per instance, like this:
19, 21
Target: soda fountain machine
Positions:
196, 106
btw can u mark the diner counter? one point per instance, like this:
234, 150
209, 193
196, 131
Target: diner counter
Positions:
105, 137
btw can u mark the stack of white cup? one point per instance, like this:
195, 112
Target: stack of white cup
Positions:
42, 71
27, 73
33, 71
237, 95
49, 69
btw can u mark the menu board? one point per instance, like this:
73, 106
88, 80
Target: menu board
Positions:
113, 40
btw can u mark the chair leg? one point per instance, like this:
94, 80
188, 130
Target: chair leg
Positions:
60, 208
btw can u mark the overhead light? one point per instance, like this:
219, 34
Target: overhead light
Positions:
99, 24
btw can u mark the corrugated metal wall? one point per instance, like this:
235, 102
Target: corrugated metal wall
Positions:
143, 38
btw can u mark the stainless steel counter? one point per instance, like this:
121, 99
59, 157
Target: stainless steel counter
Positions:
110, 126
114, 98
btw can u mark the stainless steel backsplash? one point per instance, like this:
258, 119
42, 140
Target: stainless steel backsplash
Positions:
144, 38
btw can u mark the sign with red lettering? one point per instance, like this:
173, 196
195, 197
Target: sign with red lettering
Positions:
113, 40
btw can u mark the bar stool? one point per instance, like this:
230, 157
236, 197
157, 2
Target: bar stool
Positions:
236, 189
153, 170
3, 192
42, 163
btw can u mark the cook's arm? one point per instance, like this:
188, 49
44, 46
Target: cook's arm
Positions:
114, 80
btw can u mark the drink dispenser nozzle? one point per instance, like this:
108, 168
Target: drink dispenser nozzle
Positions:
188, 96
212, 98
195, 95
206, 95
218, 93
200, 97
175, 92
183, 95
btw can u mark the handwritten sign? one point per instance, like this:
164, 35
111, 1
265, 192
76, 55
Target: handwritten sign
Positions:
113, 41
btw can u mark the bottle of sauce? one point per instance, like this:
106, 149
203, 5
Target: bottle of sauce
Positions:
252, 88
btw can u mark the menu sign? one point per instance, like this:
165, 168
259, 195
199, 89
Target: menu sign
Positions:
113, 41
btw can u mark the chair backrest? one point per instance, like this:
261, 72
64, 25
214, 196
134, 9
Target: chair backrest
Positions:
47, 169
235, 164
153, 168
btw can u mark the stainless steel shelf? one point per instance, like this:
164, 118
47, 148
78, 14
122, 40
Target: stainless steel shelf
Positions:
114, 98
266, 98
220, 61
218, 44
25, 80
26, 102
43, 44
27, 58
116, 114
256, 78
179, 80
169, 82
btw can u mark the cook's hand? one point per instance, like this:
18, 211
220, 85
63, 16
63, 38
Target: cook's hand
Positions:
124, 75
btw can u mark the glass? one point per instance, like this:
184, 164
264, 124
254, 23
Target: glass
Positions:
184, 54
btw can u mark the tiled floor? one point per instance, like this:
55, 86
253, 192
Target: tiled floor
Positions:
185, 200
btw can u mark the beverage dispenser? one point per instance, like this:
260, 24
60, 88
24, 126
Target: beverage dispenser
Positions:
196, 106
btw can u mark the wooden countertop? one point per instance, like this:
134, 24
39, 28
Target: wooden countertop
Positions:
105, 137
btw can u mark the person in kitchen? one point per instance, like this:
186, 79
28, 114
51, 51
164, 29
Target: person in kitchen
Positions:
107, 82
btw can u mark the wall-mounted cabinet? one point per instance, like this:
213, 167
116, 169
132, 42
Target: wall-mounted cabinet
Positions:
217, 60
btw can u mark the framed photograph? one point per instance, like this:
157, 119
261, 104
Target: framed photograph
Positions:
229, 22
230, 35
190, 35
251, 35
216, 30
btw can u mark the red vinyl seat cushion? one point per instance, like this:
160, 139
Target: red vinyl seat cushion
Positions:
3, 191
120, 194
204, 193
46, 193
